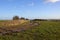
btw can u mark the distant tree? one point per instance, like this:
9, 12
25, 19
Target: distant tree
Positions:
22, 18
27, 19
16, 18
39, 20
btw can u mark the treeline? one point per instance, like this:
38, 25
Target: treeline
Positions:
45, 20
22, 18
39, 20
17, 18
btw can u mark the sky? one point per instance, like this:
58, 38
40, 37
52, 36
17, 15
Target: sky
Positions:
42, 9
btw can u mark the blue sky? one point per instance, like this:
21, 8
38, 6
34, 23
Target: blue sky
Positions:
44, 9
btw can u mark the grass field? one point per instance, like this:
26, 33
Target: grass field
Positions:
47, 30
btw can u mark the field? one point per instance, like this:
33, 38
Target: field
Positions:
46, 30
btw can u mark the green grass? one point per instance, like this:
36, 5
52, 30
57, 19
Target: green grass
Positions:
47, 30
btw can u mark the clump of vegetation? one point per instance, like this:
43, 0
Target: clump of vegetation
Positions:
16, 18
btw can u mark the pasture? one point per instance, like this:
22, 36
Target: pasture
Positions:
47, 30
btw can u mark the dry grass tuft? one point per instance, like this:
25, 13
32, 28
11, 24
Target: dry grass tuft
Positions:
12, 22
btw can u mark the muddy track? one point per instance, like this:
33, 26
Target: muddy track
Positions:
10, 30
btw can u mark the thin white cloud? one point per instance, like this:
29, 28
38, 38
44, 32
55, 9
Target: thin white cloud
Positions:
52, 1
31, 4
